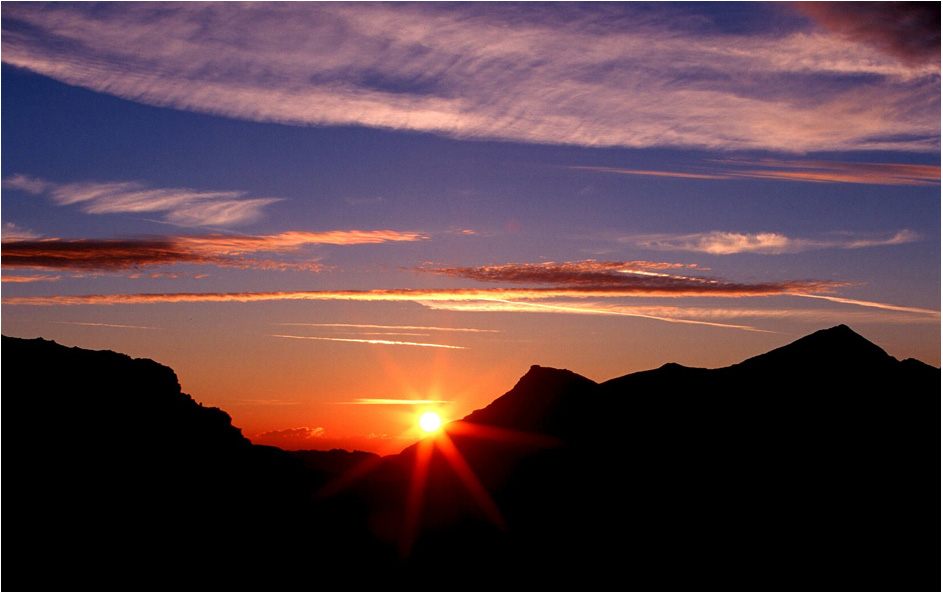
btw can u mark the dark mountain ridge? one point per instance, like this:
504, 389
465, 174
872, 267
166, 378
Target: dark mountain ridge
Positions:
814, 466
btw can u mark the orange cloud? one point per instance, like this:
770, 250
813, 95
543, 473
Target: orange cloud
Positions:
885, 174
702, 288
10, 278
585, 273
213, 249
291, 240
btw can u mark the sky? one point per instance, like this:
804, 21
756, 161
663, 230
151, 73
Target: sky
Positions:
328, 218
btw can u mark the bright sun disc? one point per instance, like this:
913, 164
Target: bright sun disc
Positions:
430, 422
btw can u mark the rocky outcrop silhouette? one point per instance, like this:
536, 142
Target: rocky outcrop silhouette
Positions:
812, 467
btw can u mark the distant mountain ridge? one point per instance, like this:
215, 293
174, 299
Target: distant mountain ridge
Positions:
814, 466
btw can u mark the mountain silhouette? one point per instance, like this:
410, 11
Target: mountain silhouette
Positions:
814, 466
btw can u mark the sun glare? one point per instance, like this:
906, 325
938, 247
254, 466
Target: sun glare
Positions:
430, 422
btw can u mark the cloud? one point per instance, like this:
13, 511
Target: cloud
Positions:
373, 341
616, 279
701, 315
502, 305
907, 30
631, 288
10, 278
360, 326
886, 174
108, 325
586, 272
290, 240
95, 254
180, 206
601, 74
213, 249
725, 242
11, 232
889, 306
299, 433
677, 174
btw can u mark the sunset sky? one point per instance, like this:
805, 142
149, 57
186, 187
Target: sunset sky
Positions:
328, 218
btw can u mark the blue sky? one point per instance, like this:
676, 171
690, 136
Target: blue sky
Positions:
447, 193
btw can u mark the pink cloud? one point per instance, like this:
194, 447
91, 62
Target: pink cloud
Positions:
588, 80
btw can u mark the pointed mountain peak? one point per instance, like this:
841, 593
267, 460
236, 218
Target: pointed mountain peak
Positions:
539, 402
831, 348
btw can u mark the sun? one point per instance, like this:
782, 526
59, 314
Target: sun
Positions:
430, 422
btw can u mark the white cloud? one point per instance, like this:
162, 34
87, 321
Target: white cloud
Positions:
13, 232
595, 76
725, 242
180, 206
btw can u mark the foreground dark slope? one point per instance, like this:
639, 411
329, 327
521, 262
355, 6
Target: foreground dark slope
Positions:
812, 467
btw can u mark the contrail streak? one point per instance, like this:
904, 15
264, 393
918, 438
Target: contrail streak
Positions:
373, 341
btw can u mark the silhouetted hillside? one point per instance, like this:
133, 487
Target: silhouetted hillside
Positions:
812, 467
334, 461
109, 463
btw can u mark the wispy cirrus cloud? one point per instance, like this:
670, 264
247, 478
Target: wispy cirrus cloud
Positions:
710, 316
108, 325
676, 174
380, 326
726, 242
12, 278
211, 249
584, 74
885, 174
637, 287
373, 341
503, 305
890, 306
180, 206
